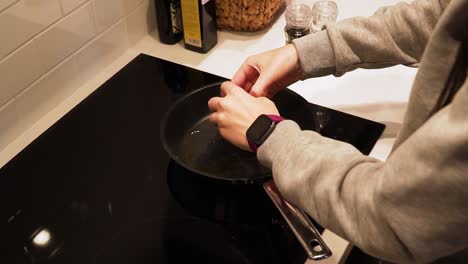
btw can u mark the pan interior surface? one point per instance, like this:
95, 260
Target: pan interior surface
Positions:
203, 149
196, 144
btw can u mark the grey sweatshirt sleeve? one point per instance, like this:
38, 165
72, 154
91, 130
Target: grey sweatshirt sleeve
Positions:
393, 35
409, 209
382, 207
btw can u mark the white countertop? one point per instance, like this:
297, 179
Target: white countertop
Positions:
380, 95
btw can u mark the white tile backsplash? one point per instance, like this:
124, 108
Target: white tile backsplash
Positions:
129, 5
106, 47
6, 3
67, 36
141, 21
70, 5
49, 48
18, 70
109, 12
23, 20
8, 124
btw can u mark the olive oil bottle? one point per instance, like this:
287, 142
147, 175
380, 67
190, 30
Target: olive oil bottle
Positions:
199, 24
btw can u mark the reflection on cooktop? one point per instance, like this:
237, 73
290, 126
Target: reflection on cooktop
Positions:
244, 215
218, 200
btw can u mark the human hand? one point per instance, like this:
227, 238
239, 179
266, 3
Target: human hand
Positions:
267, 73
235, 111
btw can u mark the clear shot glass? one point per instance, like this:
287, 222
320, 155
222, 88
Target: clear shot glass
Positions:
323, 12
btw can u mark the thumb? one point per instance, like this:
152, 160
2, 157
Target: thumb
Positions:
245, 76
229, 88
262, 86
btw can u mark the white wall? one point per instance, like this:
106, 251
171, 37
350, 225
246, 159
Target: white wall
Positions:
49, 48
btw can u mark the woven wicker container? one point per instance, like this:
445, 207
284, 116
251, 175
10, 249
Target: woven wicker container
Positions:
246, 15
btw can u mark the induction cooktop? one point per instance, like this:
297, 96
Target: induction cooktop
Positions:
98, 187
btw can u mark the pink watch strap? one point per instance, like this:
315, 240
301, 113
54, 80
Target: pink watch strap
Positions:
276, 118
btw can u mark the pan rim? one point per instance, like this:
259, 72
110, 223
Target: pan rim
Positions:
173, 156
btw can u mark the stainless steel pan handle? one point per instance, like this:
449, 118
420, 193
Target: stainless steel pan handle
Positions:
297, 220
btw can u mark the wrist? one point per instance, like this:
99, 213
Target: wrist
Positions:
261, 129
295, 65
315, 55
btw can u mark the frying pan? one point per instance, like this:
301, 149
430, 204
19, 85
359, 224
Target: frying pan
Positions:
193, 142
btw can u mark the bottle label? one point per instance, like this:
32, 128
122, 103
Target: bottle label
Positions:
191, 23
176, 17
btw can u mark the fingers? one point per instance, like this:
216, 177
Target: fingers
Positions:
231, 94
260, 88
246, 76
226, 88
214, 118
213, 104
229, 88
252, 80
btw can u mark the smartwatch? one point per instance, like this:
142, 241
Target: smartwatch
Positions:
261, 129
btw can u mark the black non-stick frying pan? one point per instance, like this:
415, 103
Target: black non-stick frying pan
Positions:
193, 142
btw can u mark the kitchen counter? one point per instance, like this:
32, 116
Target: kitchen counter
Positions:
380, 95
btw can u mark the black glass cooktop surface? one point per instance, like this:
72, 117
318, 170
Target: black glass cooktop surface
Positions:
98, 187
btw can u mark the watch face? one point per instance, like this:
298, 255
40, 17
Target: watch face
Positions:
260, 129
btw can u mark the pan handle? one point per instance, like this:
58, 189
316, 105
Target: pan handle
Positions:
297, 220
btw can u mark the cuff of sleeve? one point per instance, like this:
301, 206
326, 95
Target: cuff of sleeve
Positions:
274, 146
316, 55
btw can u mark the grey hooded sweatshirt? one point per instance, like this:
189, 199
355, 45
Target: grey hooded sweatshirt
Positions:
412, 208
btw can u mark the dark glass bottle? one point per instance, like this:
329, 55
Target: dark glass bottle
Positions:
199, 24
169, 17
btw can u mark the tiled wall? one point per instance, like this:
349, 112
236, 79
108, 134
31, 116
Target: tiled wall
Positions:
48, 48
